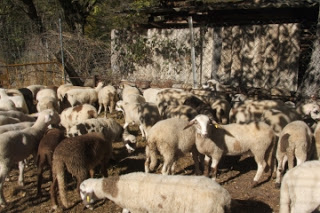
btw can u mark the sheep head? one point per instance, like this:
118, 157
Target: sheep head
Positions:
201, 123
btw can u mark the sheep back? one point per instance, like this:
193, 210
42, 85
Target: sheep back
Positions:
141, 192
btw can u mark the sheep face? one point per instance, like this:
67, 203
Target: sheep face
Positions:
315, 113
87, 195
201, 123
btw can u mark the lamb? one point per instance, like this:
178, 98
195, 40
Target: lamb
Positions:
171, 141
78, 155
72, 115
15, 126
108, 126
15, 146
46, 147
83, 95
142, 192
300, 188
107, 98
234, 139
295, 141
145, 115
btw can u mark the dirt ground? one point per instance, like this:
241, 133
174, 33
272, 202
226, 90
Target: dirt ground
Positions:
235, 174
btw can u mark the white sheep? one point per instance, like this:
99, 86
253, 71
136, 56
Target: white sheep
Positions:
141, 192
48, 103
234, 139
47, 92
35, 88
107, 98
150, 95
111, 129
16, 97
15, 146
295, 142
15, 126
300, 188
5, 102
72, 115
145, 115
83, 95
170, 139
128, 90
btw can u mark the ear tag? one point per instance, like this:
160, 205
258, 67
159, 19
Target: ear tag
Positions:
217, 126
88, 198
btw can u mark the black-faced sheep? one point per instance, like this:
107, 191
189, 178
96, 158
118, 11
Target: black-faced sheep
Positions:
15, 146
78, 155
141, 192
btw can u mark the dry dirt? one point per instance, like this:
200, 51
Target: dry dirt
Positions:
235, 174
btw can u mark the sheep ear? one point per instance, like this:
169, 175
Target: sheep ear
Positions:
216, 125
190, 124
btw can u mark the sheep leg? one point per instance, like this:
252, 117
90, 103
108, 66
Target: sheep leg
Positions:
100, 107
4, 170
21, 170
53, 193
206, 166
142, 131
167, 164
290, 156
261, 163
195, 157
151, 159
214, 168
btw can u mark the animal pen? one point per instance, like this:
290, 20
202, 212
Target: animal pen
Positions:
261, 45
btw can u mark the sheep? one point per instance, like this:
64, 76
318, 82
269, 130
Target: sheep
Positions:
134, 98
48, 103
72, 115
142, 192
17, 97
221, 108
179, 111
47, 145
5, 102
171, 141
128, 90
145, 115
150, 95
295, 141
15, 146
234, 139
18, 114
28, 97
5, 120
170, 96
300, 188
47, 92
35, 89
278, 118
83, 95
78, 155
107, 97
15, 126
108, 126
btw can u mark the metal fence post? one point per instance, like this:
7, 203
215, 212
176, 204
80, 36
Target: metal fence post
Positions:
193, 55
61, 46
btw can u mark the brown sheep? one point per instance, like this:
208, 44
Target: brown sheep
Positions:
78, 155
45, 152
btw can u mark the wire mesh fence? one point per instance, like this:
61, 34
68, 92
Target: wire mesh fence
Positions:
273, 53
